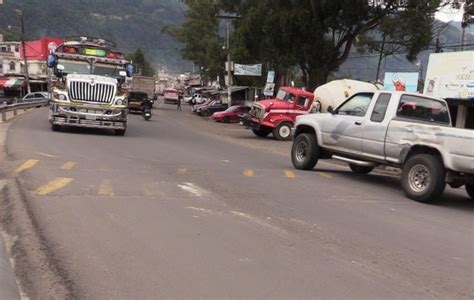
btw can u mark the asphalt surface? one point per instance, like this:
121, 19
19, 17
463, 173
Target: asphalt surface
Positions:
183, 207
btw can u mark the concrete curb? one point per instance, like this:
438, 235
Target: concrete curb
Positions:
8, 286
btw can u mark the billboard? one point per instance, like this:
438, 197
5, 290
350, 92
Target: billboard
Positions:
248, 70
451, 75
401, 81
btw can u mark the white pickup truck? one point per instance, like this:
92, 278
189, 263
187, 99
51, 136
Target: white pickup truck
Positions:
404, 130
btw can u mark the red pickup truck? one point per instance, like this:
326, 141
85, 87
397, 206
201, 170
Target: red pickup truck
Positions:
278, 115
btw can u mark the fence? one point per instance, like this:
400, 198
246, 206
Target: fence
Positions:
18, 106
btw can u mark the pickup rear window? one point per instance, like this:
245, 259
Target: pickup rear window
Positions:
423, 109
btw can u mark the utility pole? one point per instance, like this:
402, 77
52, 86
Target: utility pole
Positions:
228, 18
229, 71
382, 53
23, 45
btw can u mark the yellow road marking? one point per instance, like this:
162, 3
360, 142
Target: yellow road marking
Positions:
183, 171
46, 154
290, 174
150, 190
249, 173
105, 188
53, 186
68, 166
27, 165
325, 175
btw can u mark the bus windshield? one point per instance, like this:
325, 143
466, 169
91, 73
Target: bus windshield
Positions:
73, 67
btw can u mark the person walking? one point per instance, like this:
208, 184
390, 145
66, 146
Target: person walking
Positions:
178, 103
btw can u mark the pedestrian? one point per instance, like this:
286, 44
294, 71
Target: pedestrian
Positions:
178, 103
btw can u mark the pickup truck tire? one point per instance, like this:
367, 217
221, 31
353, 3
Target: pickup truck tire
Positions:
305, 152
204, 113
120, 132
470, 190
226, 120
423, 178
283, 131
262, 132
360, 169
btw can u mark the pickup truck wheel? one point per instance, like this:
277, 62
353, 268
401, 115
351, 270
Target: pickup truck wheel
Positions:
283, 131
205, 113
470, 190
360, 169
226, 120
423, 178
120, 132
305, 152
262, 132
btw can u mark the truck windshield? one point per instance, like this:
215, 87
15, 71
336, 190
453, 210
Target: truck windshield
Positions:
286, 96
71, 67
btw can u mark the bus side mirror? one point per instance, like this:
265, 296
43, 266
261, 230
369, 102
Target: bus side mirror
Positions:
59, 71
130, 70
52, 61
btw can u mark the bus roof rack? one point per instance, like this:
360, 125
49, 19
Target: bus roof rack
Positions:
85, 39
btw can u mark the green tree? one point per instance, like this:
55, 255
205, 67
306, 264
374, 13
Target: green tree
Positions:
199, 35
319, 35
143, 65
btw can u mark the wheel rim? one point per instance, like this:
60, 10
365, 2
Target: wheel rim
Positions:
301, 151
285, 131
419, 178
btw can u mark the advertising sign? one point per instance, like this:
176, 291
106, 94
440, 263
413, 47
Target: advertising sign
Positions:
401, 81
248, 70
269, 90
451, 75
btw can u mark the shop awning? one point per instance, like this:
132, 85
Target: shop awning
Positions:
11, 82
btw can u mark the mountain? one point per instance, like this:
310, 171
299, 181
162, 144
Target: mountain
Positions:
131, 24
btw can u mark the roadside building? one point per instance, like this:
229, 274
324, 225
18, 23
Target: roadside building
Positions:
37, 55
11, 70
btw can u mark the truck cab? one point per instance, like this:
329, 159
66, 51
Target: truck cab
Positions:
278, 115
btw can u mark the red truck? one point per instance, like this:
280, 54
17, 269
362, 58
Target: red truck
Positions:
278, 115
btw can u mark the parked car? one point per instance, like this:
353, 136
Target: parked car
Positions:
231, 114
37, 96
405, 130
213, 108
197, 108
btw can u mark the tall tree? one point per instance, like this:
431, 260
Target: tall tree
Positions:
319, 35
141, 62
200, 36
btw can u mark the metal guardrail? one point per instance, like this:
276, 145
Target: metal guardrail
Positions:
22, 105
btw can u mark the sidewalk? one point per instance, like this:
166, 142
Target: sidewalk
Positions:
8, 285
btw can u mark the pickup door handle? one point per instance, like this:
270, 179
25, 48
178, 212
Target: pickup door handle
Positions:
358, 123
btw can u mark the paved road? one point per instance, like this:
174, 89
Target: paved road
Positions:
177, 208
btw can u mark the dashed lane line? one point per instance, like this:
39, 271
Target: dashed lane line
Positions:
105, 188
68, 166
53, 186
249, 173
26, 165
183, 171
46, 154
325, 175
290, 174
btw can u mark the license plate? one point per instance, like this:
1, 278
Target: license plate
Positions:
241, 123
88, 117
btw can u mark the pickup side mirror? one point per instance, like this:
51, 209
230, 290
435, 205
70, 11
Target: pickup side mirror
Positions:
331, 110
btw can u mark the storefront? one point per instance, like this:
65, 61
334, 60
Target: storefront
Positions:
12, 87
